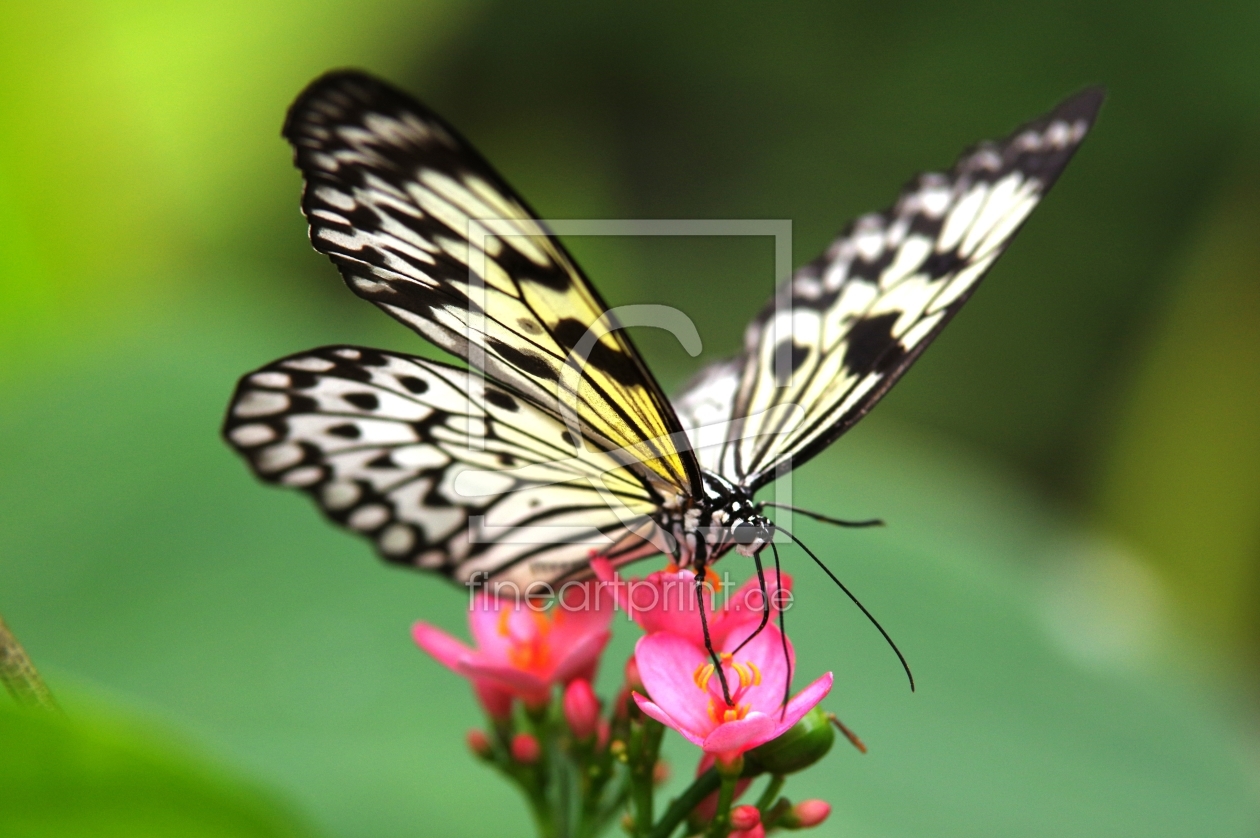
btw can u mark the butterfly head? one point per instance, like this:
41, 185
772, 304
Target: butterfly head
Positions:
733, 518
752, 534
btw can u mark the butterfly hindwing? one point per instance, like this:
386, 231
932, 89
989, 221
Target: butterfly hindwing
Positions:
438, 468
421, 225
841, 331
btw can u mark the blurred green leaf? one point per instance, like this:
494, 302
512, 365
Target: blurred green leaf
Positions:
98, 777
1181, 480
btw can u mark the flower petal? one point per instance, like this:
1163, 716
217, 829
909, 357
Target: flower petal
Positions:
445, 649
651, 709
745, 607
739, 736
603, 570
583, 609
488, 626
803, 702
667, 665
765, 651
523, 683
581, 658
667, 602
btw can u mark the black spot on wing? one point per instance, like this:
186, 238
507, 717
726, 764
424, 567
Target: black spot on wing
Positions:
502, 400
363, 401
788, 357
943, 264
612, 362
871, 346
871, 270
526, 362
516, 265
362, 216
415, 385
302, 404
346, 366
346, 431
568, 332
383, 461
301, 380
372, 358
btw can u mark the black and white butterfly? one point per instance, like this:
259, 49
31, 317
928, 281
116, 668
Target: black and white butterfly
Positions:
558, 444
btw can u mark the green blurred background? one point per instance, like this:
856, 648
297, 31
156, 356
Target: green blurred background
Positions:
1071, 475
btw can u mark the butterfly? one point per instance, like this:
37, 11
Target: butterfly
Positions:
556, 444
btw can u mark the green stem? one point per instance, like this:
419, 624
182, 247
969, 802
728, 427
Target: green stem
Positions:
19, 675
704, 785
721, 824
771, 793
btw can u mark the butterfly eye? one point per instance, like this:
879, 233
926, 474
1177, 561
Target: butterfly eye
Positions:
747, 533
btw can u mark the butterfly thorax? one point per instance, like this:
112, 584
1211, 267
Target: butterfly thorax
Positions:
724, 516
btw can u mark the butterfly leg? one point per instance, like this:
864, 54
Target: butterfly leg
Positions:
765, 603
787, 658
708, 642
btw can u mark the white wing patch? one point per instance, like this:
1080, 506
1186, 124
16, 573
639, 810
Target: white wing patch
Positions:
857, 317
440, 470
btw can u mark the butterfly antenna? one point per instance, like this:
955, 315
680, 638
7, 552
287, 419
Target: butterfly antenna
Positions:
856, 602
871, 522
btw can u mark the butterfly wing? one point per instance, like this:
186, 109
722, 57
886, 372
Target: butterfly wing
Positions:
421, 225
841, 331
438, 469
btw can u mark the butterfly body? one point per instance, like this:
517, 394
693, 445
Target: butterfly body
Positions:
557, 443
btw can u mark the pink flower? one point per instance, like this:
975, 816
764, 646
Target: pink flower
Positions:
581, 708
666, 601
522, 651
687, 695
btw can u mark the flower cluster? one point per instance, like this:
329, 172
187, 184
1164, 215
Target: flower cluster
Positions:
533, 666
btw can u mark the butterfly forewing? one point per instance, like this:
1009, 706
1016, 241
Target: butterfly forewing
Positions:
846, 326
421, 225
440, 470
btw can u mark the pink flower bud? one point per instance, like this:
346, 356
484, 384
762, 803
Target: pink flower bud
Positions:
525, 748
807, 813
603, 732
581, 708
745, 817
478, 743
